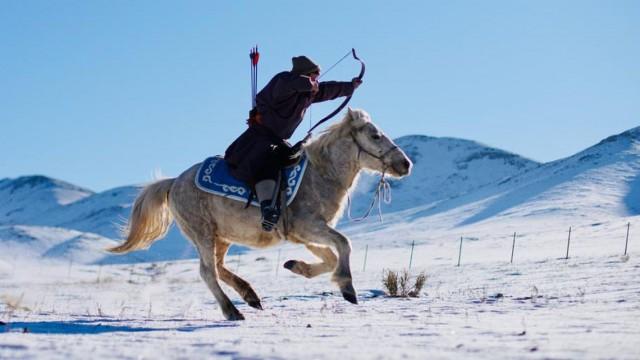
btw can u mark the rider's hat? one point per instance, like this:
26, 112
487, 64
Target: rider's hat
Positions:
303, 65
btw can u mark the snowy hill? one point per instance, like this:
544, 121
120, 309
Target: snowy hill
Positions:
102, 213
62, 221
31, 242
25, 199
601, 181
456, 184
22, 242
595, 187
444, 168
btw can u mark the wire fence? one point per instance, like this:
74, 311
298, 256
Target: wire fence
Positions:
465, 247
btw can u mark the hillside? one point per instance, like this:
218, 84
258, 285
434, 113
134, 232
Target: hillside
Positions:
456, 186
444, 168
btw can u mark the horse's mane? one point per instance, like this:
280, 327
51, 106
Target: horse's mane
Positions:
319, 150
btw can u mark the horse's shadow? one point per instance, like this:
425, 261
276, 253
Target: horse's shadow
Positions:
101, 326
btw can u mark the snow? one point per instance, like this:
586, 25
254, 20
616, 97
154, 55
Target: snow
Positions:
79, 230
443, 168
549, 308
28, 197
62, 296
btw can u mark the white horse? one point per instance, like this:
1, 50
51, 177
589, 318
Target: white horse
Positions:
213, 222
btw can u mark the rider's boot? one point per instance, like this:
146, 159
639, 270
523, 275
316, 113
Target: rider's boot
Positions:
270, 215
266, 191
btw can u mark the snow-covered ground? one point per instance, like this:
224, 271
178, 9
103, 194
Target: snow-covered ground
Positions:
62, 297
541, 306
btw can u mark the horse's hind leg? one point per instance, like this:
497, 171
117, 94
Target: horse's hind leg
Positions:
237, 283
328, 264
206, 249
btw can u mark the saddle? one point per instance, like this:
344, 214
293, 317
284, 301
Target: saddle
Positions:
214, 177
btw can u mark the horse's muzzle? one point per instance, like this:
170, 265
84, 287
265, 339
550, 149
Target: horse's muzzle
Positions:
402, 167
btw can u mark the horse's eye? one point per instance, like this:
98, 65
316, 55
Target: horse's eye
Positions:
376, 137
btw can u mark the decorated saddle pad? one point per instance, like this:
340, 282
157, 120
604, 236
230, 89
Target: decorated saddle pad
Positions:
214, 177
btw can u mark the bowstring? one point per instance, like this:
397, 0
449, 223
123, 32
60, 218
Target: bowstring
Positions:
334, 65
320, 77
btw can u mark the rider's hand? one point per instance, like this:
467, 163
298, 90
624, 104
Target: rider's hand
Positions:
296, 150
356, 82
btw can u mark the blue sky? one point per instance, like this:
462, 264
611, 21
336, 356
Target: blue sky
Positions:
104, 93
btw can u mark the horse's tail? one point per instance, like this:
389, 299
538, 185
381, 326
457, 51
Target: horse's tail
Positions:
150, 218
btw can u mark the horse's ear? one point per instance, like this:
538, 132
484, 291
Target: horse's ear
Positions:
355, 117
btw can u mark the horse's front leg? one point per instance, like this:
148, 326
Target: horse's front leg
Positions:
325, 235
328, 263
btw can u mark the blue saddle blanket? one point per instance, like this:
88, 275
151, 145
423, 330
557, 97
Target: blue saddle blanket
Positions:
214, 177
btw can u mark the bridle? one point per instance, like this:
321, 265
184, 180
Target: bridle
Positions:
383, 190
362, 149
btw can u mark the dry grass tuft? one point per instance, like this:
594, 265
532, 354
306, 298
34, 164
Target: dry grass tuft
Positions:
14, 303
398, 283
390, 282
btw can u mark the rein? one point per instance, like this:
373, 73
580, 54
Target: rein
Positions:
383, 193
383, 189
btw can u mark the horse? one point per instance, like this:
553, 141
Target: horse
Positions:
213, 222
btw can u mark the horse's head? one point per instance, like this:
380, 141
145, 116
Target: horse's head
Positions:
375, 150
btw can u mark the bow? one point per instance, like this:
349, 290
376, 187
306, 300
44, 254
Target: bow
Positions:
346, 101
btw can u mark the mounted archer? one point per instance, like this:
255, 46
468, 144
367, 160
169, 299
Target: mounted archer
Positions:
259, 154
208, 205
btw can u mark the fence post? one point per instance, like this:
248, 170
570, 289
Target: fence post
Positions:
238, 264
99, 272
366, 251
278, 262
513, 246
627, 241
568, 242
460, 251
413, 243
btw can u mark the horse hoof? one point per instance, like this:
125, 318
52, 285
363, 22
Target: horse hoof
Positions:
235, 316
350, 297
255, 304
289, 264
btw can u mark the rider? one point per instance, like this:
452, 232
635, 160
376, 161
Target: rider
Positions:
257, 156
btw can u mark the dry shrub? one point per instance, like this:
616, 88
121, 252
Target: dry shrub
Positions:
403, 279
390, 282
421, 279
398, 283
14, 304
11, 305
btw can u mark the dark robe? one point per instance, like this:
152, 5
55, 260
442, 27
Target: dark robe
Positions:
261, 151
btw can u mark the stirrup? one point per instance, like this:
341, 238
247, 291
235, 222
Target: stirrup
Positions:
270, 217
